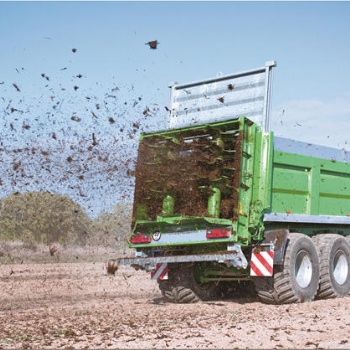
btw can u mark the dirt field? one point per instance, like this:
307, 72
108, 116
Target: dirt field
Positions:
77, 305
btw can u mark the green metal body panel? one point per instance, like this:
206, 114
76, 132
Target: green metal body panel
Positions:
309, 185
236, 180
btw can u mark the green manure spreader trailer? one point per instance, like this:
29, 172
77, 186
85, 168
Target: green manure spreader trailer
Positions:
222, 205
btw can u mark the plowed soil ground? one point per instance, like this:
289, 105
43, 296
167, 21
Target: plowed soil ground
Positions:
79, 306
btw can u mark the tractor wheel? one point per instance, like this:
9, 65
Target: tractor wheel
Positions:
297, 280
183, 286
334, 256
166, 289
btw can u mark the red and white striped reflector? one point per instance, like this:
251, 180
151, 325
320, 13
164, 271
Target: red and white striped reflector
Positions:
262, 264
161, 272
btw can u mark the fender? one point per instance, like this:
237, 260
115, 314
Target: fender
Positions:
279, 239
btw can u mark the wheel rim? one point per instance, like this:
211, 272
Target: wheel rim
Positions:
340, 267
303, 269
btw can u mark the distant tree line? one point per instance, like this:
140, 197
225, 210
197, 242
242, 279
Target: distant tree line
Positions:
42, 217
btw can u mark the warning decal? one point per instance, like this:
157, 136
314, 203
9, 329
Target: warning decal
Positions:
161, 272
262, 263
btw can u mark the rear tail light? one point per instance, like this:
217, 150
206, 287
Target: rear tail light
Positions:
138, 238
222, 232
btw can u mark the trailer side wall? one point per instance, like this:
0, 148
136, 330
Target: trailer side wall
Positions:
309, 185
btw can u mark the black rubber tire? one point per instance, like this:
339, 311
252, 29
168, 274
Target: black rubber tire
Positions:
334, 257
182, 287
166, 289
297, 281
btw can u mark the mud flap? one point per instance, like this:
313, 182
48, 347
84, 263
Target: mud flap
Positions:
279, 240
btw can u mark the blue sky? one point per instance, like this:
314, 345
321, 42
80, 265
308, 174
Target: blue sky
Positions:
118, 76
198, 40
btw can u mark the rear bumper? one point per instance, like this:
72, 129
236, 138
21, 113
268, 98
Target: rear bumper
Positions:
232, 258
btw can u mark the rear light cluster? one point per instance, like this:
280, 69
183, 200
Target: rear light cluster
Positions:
139, 238
214, 233
220, 232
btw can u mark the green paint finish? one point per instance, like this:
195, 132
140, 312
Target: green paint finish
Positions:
214, 202
290, 188
168, 205
309, 185
261, 184
334, 193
